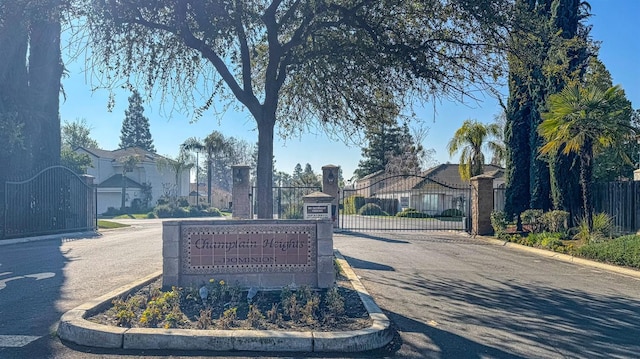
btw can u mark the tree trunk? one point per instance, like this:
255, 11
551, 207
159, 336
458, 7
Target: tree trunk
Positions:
264, 180
585, 182
45, 71
209, 167
14, 44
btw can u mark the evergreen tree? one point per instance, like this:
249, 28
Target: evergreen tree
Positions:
389, 148
550, 51
135, 127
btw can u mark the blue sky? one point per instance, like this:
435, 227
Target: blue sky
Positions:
615, 24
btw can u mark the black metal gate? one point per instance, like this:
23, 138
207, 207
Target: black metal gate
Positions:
287, 201
406, 203
56, 200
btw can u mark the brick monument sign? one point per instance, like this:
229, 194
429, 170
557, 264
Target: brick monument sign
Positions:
266, 254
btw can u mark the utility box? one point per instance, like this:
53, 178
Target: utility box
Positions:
317, 206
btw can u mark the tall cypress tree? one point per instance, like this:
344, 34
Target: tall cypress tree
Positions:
568, 59
550, 51
135, 127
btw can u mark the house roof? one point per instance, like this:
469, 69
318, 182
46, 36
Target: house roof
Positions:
122, 152
371, 175
446, 175
116, 181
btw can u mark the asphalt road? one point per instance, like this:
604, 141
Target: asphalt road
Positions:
449, 296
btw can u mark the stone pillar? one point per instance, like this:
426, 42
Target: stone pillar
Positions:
636, 175
326, 270
241, 192
170, 253
330, 174
481, 205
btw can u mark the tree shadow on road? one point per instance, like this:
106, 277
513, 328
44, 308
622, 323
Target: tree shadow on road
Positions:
561, 321
363, 264
381, 237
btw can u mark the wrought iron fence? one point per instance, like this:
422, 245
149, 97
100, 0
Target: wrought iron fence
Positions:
406, 203
287, 201
56, 200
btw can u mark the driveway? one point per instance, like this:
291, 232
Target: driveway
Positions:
451, 296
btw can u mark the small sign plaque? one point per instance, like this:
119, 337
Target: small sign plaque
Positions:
317, 211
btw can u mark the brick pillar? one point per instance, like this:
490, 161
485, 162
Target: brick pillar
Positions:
330, 174
241, 200
481, 205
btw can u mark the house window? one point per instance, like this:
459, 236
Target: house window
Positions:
430, 203
404, 202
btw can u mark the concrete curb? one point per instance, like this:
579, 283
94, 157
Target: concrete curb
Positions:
75, 328
563, 257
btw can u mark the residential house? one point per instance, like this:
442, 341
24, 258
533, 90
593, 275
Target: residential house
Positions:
107, 168
436, 189
368, 185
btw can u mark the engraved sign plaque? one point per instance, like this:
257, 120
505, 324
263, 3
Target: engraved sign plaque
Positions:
250, 248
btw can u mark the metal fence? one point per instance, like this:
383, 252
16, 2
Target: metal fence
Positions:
621, 201
406, 203
287, 201
56, 200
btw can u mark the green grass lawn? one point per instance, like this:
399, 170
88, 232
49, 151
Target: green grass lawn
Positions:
102, 224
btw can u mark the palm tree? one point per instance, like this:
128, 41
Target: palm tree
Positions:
584, 120
470, 139
195, 145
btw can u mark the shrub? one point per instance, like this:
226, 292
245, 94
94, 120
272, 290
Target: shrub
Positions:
624, 251
112, 212
255, 317
371, 209
555, 221
194, 211
602, 229
352, 204
334, 304
548, 240
182, 202
293, 212
452, 212
151, 215
412, 213
164, 211
499, 222
213, 212
533, 218
228, 318
389, 205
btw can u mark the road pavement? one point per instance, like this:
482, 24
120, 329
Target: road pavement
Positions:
451, 296
448, 295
